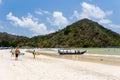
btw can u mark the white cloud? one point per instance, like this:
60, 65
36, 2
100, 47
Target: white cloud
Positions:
58, 20
105, 21
42, 12
39, 12
114, 26
55, 19
89, 10
28, 22
76, 14
92, 12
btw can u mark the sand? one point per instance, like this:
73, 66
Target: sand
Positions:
50, 68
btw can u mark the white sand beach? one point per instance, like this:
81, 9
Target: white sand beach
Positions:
49, 68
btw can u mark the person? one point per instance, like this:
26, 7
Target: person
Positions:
34, 53
12, 52
17, 51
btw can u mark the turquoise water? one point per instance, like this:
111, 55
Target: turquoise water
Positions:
111, 51
108, 51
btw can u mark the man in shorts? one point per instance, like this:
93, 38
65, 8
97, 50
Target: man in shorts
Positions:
17, 51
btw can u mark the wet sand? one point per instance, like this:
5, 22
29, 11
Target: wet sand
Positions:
97, 58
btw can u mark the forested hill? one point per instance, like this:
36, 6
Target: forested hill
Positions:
7, 40
83, 33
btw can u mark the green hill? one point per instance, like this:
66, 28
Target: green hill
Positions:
83, 33
7, 40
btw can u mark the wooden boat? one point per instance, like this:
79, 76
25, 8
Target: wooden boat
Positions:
65, 52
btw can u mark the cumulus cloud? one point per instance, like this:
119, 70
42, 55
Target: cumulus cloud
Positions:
55, 19
89, 10
28, 22
58, 20
92, 12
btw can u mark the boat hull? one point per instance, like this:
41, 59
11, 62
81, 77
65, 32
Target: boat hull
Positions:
71, 53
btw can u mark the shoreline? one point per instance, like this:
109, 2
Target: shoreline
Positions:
88, 58
55, 67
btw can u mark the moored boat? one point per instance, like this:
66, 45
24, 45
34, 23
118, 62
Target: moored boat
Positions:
64, 52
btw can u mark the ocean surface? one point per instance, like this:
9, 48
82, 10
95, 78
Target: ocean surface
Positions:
102, 51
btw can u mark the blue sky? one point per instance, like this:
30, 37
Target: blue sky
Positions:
38, 17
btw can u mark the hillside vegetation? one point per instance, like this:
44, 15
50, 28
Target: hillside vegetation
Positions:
83, 33
7, 40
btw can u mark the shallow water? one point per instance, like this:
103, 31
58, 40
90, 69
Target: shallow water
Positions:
107, 51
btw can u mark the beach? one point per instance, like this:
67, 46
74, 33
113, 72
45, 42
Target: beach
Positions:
46, 67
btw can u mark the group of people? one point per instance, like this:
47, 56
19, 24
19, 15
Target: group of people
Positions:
16, 53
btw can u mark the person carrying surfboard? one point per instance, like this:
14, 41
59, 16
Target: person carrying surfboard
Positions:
17, 51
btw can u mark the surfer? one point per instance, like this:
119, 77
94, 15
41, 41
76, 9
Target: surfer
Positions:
17, 51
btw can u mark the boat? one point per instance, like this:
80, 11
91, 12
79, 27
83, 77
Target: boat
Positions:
21, 53
71, 52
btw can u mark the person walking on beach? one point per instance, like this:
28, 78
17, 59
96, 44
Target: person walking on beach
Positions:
34, 53
17, 51
12, 52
